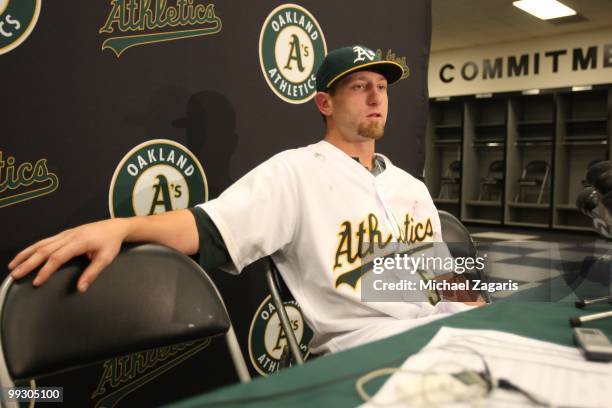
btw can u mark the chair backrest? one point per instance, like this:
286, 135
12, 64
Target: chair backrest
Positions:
536, 169
496, 169
149, 296
454, 169
456, 236
460, 243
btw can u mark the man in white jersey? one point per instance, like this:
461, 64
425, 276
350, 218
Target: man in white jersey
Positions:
311, 208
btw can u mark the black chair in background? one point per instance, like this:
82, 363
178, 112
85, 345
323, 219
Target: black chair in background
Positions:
460, 244
149, 296
493, 182
534, 177
449, 187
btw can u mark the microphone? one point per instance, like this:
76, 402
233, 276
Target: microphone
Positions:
599, 175
577, 321
587, 201
585, 302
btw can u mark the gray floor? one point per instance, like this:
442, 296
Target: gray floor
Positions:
546, 265
491, 234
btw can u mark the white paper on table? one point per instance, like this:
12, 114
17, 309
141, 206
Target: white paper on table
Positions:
558, 375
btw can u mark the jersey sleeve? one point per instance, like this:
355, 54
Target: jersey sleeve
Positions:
213, 251
257, 215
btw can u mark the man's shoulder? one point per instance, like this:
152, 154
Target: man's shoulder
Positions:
284, 163
296, 155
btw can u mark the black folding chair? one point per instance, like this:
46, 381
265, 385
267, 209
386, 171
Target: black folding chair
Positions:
534, 176
149, 296
460, 244
450, 182
494, 180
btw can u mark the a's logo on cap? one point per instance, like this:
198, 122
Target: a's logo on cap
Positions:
17, 21
154, 177
291, 48
362, 53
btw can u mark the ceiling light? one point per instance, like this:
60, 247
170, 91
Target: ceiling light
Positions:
544, 9
581, 88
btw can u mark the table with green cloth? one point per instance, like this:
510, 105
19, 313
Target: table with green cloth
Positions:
330, 380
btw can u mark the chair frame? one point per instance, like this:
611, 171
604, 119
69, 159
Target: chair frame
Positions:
449, 181
445, 214
6, 380
273, 278
542, 185
485, 183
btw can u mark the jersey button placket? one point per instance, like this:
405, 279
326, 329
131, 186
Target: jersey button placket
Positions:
391, 224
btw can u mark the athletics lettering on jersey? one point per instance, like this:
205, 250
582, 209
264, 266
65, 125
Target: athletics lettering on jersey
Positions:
416, 232
347, 250
356, 242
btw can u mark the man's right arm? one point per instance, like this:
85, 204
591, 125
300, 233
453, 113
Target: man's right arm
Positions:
101, 242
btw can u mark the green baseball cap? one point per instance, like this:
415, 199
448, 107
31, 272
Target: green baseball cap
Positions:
343, 61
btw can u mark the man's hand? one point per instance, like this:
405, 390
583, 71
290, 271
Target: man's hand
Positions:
100, 241
469, 297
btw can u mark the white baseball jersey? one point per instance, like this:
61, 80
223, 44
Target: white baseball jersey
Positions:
310, 208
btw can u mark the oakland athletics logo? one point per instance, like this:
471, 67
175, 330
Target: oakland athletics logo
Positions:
23, 182
140, 22
291, 48
154, 177
267, 338
17, 20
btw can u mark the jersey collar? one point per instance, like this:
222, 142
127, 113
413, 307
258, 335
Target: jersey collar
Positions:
381, 163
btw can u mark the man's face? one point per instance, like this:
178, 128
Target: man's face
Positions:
359, 105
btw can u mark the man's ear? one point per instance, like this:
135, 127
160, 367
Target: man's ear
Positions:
324, 103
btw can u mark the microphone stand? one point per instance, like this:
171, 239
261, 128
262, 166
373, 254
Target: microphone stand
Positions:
577, 321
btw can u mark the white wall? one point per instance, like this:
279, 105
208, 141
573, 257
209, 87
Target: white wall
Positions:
470, 71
